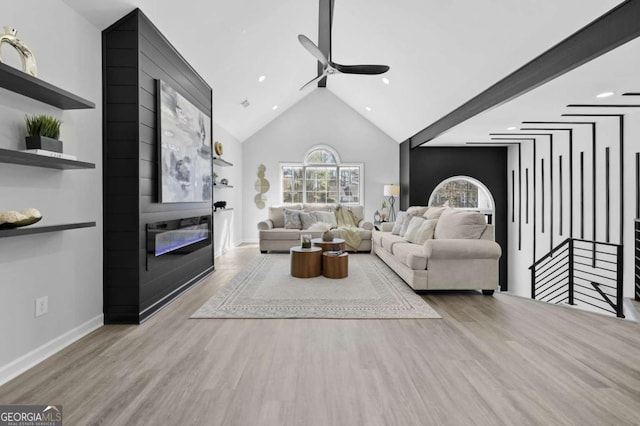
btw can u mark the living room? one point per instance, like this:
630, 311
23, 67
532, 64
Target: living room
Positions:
171, 368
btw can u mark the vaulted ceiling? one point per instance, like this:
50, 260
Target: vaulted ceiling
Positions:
441, 53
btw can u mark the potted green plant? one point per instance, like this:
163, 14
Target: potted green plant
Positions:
43, 132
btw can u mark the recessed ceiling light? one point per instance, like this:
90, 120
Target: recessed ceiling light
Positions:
512, 128
262, 78
605, 94
275, 107
368, 108
385, 80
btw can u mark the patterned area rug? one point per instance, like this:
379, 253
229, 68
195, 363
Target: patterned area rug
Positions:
265, 289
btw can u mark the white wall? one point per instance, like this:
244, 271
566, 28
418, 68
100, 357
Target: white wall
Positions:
318, 119
65, 266
606, 136
228, 223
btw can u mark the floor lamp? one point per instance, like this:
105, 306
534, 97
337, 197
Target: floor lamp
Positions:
392, 191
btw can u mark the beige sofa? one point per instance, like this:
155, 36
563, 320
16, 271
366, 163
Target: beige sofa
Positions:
443, 263
275, 237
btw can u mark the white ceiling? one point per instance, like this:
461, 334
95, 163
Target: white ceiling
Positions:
441, 53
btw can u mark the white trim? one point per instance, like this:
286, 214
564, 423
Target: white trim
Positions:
475, 181
326, 148
36, 356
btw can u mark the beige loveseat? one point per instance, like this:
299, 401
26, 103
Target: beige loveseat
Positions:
275, 237
460, 253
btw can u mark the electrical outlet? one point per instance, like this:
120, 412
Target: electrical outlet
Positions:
42, 305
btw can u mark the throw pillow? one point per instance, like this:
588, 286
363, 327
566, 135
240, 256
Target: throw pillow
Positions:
276, 214
434, 212
412, 230
327, 217
425, 232
411, 213
400, 219
292, 219
307, 219
460, 224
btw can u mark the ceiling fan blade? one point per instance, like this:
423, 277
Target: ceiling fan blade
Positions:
313, 80
361, 69
313, 49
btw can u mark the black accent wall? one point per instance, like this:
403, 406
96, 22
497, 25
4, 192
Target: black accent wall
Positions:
422, 169
135, 55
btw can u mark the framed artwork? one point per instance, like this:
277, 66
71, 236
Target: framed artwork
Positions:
184, 145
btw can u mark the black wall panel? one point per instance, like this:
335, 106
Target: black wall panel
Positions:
427, 167
135, 56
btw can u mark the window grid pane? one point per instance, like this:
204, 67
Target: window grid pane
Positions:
350, 185
292, 184
321, 184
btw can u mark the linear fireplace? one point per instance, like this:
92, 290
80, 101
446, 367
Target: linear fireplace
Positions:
177, 237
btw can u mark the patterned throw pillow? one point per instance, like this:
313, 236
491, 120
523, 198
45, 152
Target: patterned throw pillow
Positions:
397, 226
425, 232
414, 227
307, 219
292, 219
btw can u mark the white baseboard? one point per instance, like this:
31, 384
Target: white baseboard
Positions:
36, 356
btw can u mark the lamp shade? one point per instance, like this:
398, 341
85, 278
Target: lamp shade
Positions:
391, 190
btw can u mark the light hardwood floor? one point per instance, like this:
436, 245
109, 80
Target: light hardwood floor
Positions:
489, 360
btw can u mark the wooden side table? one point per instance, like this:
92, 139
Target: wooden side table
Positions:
335, 266
334, 245
306, 263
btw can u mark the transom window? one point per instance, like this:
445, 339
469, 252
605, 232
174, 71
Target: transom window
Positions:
321, 178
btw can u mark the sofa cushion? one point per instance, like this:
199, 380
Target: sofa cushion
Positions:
417, 210
317, 207
389, 240
358, 211
280, 234
425, 232
434, 212
363, 233
411, 255
455, 224
276, 214
326, 217
292, 219
413, 228
397, 226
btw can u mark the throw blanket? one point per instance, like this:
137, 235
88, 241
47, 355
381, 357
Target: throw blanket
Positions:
347, 227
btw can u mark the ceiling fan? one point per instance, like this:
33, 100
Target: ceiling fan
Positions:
322, 52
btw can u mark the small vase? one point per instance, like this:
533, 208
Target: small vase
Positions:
327, 236
305, 241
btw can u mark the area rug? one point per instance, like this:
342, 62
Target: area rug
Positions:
265, 289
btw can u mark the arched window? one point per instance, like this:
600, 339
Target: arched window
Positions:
463, 192
321, 178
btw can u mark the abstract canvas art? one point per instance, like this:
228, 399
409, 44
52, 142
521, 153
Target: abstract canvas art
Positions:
184, 148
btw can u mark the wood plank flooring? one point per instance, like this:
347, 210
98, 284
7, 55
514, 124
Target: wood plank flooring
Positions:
489, 360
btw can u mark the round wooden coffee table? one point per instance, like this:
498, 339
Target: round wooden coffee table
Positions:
306, 263
333, 245
335, 266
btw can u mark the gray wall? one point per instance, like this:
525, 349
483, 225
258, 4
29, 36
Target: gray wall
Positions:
65, 266
318, 119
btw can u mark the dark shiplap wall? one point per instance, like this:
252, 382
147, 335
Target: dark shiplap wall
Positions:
427, 167
135, 56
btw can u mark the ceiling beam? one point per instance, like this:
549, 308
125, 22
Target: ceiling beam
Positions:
616, 27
